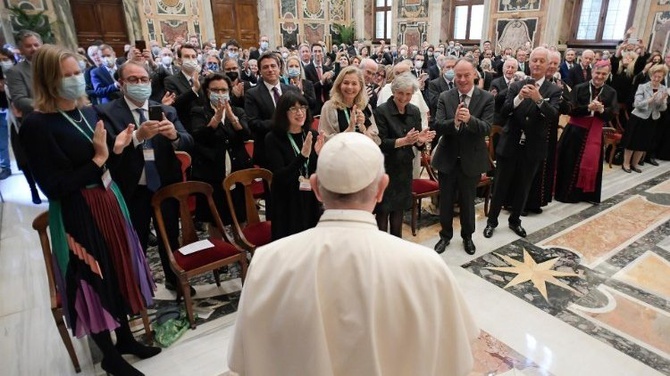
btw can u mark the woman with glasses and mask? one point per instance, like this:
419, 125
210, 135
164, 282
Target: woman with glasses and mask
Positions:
219, 131
295, 76
101, 272
292, 149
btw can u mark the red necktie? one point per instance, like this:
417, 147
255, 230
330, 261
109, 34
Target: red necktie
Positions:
319, 72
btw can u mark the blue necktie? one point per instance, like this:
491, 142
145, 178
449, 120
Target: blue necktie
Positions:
150, 170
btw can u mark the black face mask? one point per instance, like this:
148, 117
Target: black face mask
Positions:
232, 75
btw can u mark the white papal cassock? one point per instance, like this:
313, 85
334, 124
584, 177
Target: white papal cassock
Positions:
347, 299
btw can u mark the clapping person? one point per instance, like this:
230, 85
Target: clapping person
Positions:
292, 148
348, 109
296, 77
219, 132
102, 273
650, 100
399, 124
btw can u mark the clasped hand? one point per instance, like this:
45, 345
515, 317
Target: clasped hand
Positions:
462, 115
596, 106
531, 92
307, 144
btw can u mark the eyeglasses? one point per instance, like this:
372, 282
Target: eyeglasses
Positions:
218, 91
380, 75
294, 110
134, 80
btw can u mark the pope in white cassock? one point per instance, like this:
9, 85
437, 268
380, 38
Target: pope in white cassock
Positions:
345, 298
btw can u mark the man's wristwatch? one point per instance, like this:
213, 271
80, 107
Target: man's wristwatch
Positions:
539, 101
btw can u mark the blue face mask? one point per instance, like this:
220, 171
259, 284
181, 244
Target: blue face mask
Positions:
214, 67
138, 92
264, 45
293, 72
216, 98
233, 55
449, 75
73, 87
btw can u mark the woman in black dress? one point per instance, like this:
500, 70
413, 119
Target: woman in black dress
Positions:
650, 100
292, 149
100, 268
219, 131
399, 124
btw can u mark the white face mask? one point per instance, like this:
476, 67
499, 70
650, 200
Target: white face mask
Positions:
418, 64
166, 60
190, 64
110, 61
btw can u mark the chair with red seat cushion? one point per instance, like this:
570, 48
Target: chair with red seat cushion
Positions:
257, 187
255, 232
422, 188
41, 224
211, 259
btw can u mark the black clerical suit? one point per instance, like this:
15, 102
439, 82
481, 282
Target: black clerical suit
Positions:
517, 157
116, 116
461, 156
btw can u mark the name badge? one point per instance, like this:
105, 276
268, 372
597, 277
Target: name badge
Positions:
106, 179
304, 184
148, 154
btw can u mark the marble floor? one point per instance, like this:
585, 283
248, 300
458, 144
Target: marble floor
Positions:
586, 293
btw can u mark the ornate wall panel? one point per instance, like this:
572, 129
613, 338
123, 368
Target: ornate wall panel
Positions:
165, 20
657, 33
518, 5
310, 21
515, 33
410, 21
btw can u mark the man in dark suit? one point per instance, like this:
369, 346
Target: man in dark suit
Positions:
369, 68
567, 64
522, 59
530, 107
499, 88
105, 86
464, 116
581, 72
186, 84
149, 162
263, 47
321, 76
165, 68
436, 87
260, 102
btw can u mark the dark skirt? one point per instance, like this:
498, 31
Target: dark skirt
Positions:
569, 156
398, 194
639, 134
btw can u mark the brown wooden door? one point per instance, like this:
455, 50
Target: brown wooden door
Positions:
100, 20
236, 19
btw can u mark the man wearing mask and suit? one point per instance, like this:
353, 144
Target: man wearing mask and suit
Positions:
105, 86
149, 162
463, 118
166, 68
439, 85
260, 102
263, 47
186, 84
530, 107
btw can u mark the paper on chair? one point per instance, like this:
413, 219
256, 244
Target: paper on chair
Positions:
195, 247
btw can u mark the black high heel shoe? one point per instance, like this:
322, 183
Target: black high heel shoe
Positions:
625, 169
139, 350
634, 168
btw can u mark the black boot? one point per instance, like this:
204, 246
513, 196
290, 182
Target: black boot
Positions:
127, 344
112, 362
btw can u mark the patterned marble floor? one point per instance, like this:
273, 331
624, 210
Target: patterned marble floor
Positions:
585, 293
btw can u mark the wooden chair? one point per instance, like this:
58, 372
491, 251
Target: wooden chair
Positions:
492, 141
257, 189
208, 260
41, 224
422, 188
185, 161
255, 232
612, 135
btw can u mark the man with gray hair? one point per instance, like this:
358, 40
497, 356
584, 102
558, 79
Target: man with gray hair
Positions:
350, 303
499, 88
530, 107
369, 68
581, 72
463, 119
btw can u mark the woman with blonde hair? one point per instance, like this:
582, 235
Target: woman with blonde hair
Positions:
348, 109
101, 272
295, 76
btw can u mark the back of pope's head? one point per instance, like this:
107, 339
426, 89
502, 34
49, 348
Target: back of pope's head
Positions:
350, 172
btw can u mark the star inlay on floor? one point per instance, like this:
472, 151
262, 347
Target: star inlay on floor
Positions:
538, 274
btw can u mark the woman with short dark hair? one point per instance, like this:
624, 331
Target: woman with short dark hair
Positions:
292, 149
